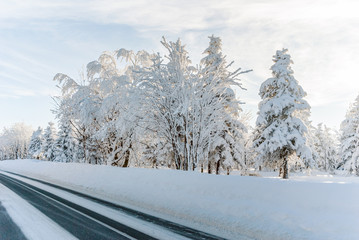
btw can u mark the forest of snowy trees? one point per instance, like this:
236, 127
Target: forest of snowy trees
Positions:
14, 141
146, 110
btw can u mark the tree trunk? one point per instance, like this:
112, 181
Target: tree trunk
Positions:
185, 165
217, 167
127, 160
127, 157
283, 171
177, 158
285, 168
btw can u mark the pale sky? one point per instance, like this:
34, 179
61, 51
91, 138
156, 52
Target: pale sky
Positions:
40, 38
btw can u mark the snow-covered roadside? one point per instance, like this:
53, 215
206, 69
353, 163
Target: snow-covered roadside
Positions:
32, 222
264, 208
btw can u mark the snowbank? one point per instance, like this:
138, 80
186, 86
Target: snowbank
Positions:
314, 207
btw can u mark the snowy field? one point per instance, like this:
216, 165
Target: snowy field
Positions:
317, 206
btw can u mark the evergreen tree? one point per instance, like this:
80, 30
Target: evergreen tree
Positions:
325, 148
279, 129
304, 115
35, 145
66, 145
221, 110
49, 146
349, 140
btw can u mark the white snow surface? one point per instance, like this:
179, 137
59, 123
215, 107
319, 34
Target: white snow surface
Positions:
319, 206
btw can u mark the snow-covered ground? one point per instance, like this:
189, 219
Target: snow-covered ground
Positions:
319, 206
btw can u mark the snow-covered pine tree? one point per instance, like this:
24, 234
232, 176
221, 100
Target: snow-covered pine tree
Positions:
66, 144
332, 139
49, 146
311, 140
349, 140
35, 145
219, 110
304, 115
325, 148
250, 153
279, 131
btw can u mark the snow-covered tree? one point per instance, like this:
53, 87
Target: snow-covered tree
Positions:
220, 110
166, 101
14, 141
102, 109
193, 113
349, 140
119, 110
129, 104
66, 144
311, 141
78, 106
35, 145
49, 146
279, 130
325, 147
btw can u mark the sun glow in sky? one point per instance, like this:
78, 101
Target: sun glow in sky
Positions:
40, 38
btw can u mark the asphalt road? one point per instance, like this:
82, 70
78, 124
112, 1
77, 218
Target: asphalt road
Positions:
8, 229
86, 224
79, 221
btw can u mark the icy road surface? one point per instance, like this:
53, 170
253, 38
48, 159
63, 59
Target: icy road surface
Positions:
72, 212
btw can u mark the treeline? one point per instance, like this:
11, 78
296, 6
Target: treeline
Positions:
146, 110
14, 141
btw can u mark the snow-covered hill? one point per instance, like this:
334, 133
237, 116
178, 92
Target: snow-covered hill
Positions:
304, 207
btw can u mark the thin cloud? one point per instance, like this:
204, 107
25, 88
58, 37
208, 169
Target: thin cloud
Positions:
322, 36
